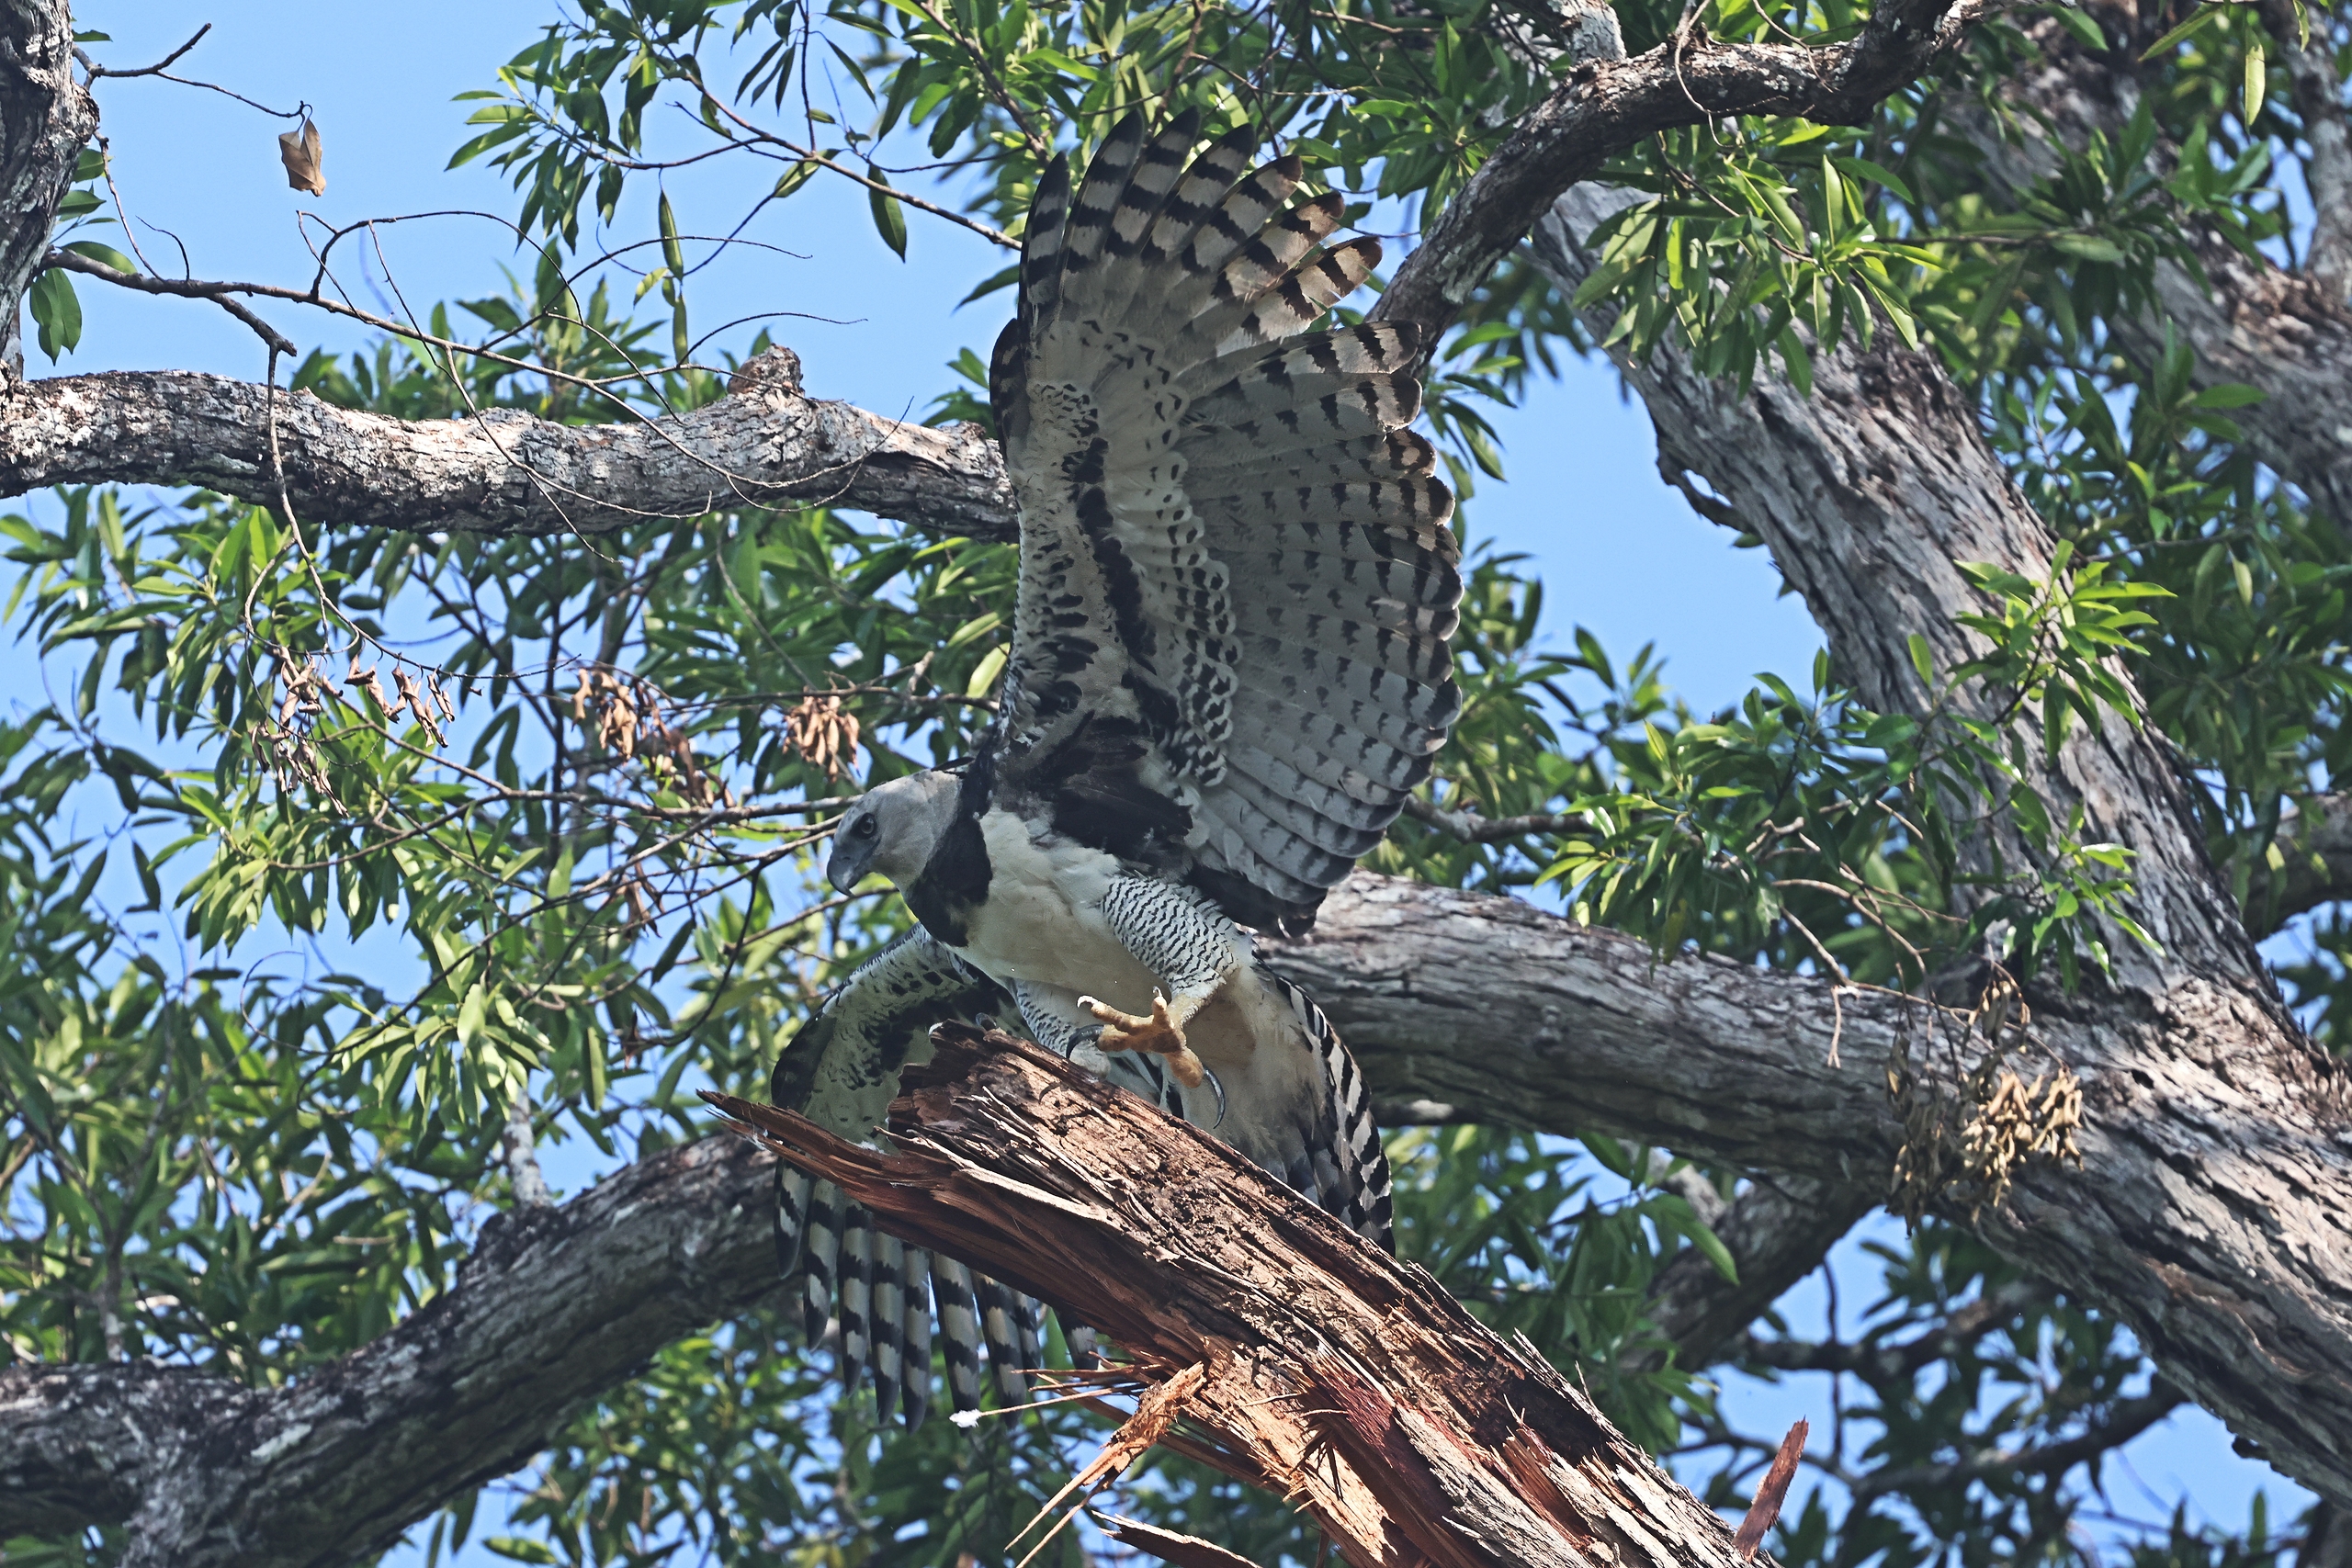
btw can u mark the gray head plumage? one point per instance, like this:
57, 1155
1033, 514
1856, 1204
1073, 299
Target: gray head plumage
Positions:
893, 829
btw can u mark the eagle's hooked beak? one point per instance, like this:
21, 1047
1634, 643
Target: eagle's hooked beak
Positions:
854, 842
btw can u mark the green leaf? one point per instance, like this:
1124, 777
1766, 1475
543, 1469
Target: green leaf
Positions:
674, 255
57, 311
1922, 660
2182, 33
889, 221
2257, 78
985, 672
105, 255
472, 1014
2090, 247
2086, 32
1877, 174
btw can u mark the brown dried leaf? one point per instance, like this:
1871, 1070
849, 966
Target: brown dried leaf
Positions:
303, 158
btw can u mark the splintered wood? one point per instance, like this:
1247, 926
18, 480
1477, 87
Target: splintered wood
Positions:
1296, 1355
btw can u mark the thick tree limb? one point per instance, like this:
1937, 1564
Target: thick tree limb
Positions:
2210, 1122
505, 472
555, 1307
1301, 1356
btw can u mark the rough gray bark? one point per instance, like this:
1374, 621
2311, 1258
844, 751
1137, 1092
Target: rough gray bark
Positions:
502, 471
46, 118
555, 1307
2218, 1230
2250, 323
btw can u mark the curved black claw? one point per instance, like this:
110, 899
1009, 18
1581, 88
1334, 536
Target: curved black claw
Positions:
1210, 1074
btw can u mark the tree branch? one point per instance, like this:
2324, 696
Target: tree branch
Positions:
1607, 107
2314, 849
1777, 1232
555, 1307
505, 472
1301, 1357
2118, 1425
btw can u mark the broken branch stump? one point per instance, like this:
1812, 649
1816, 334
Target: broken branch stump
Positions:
1322, 1369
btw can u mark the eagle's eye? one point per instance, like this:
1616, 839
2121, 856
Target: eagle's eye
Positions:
864, 828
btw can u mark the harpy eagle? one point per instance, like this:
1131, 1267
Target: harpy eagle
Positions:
1229, 668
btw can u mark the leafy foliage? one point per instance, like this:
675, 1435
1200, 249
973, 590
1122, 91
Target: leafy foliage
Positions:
431, 835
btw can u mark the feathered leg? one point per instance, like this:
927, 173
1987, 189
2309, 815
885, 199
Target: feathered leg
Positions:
1190, 944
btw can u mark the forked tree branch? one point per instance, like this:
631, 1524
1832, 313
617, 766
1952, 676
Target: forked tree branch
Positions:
1301, 1357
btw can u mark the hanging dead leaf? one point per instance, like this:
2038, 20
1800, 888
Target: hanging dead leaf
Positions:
304, 159
823, 734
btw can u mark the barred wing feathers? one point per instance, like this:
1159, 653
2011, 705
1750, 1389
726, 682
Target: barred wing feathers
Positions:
842, 1071
1231, 548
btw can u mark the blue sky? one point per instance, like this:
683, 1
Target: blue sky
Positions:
1619, 551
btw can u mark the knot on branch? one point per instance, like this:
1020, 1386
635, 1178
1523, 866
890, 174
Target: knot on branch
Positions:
1967, 1130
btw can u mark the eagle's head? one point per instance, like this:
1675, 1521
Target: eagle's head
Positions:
893, 829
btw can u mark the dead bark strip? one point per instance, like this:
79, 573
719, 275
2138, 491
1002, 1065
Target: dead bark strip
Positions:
502, 471
1303, 1359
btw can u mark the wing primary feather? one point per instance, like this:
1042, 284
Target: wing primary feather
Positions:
1087, 228
959, 1330
856, 1296
914, 1398
822, 1259
1041, 246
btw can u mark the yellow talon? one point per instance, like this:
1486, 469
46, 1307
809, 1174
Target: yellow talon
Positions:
1159, 1033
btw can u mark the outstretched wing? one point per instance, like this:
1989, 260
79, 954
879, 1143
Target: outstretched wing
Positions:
1237, 578
842, 1071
